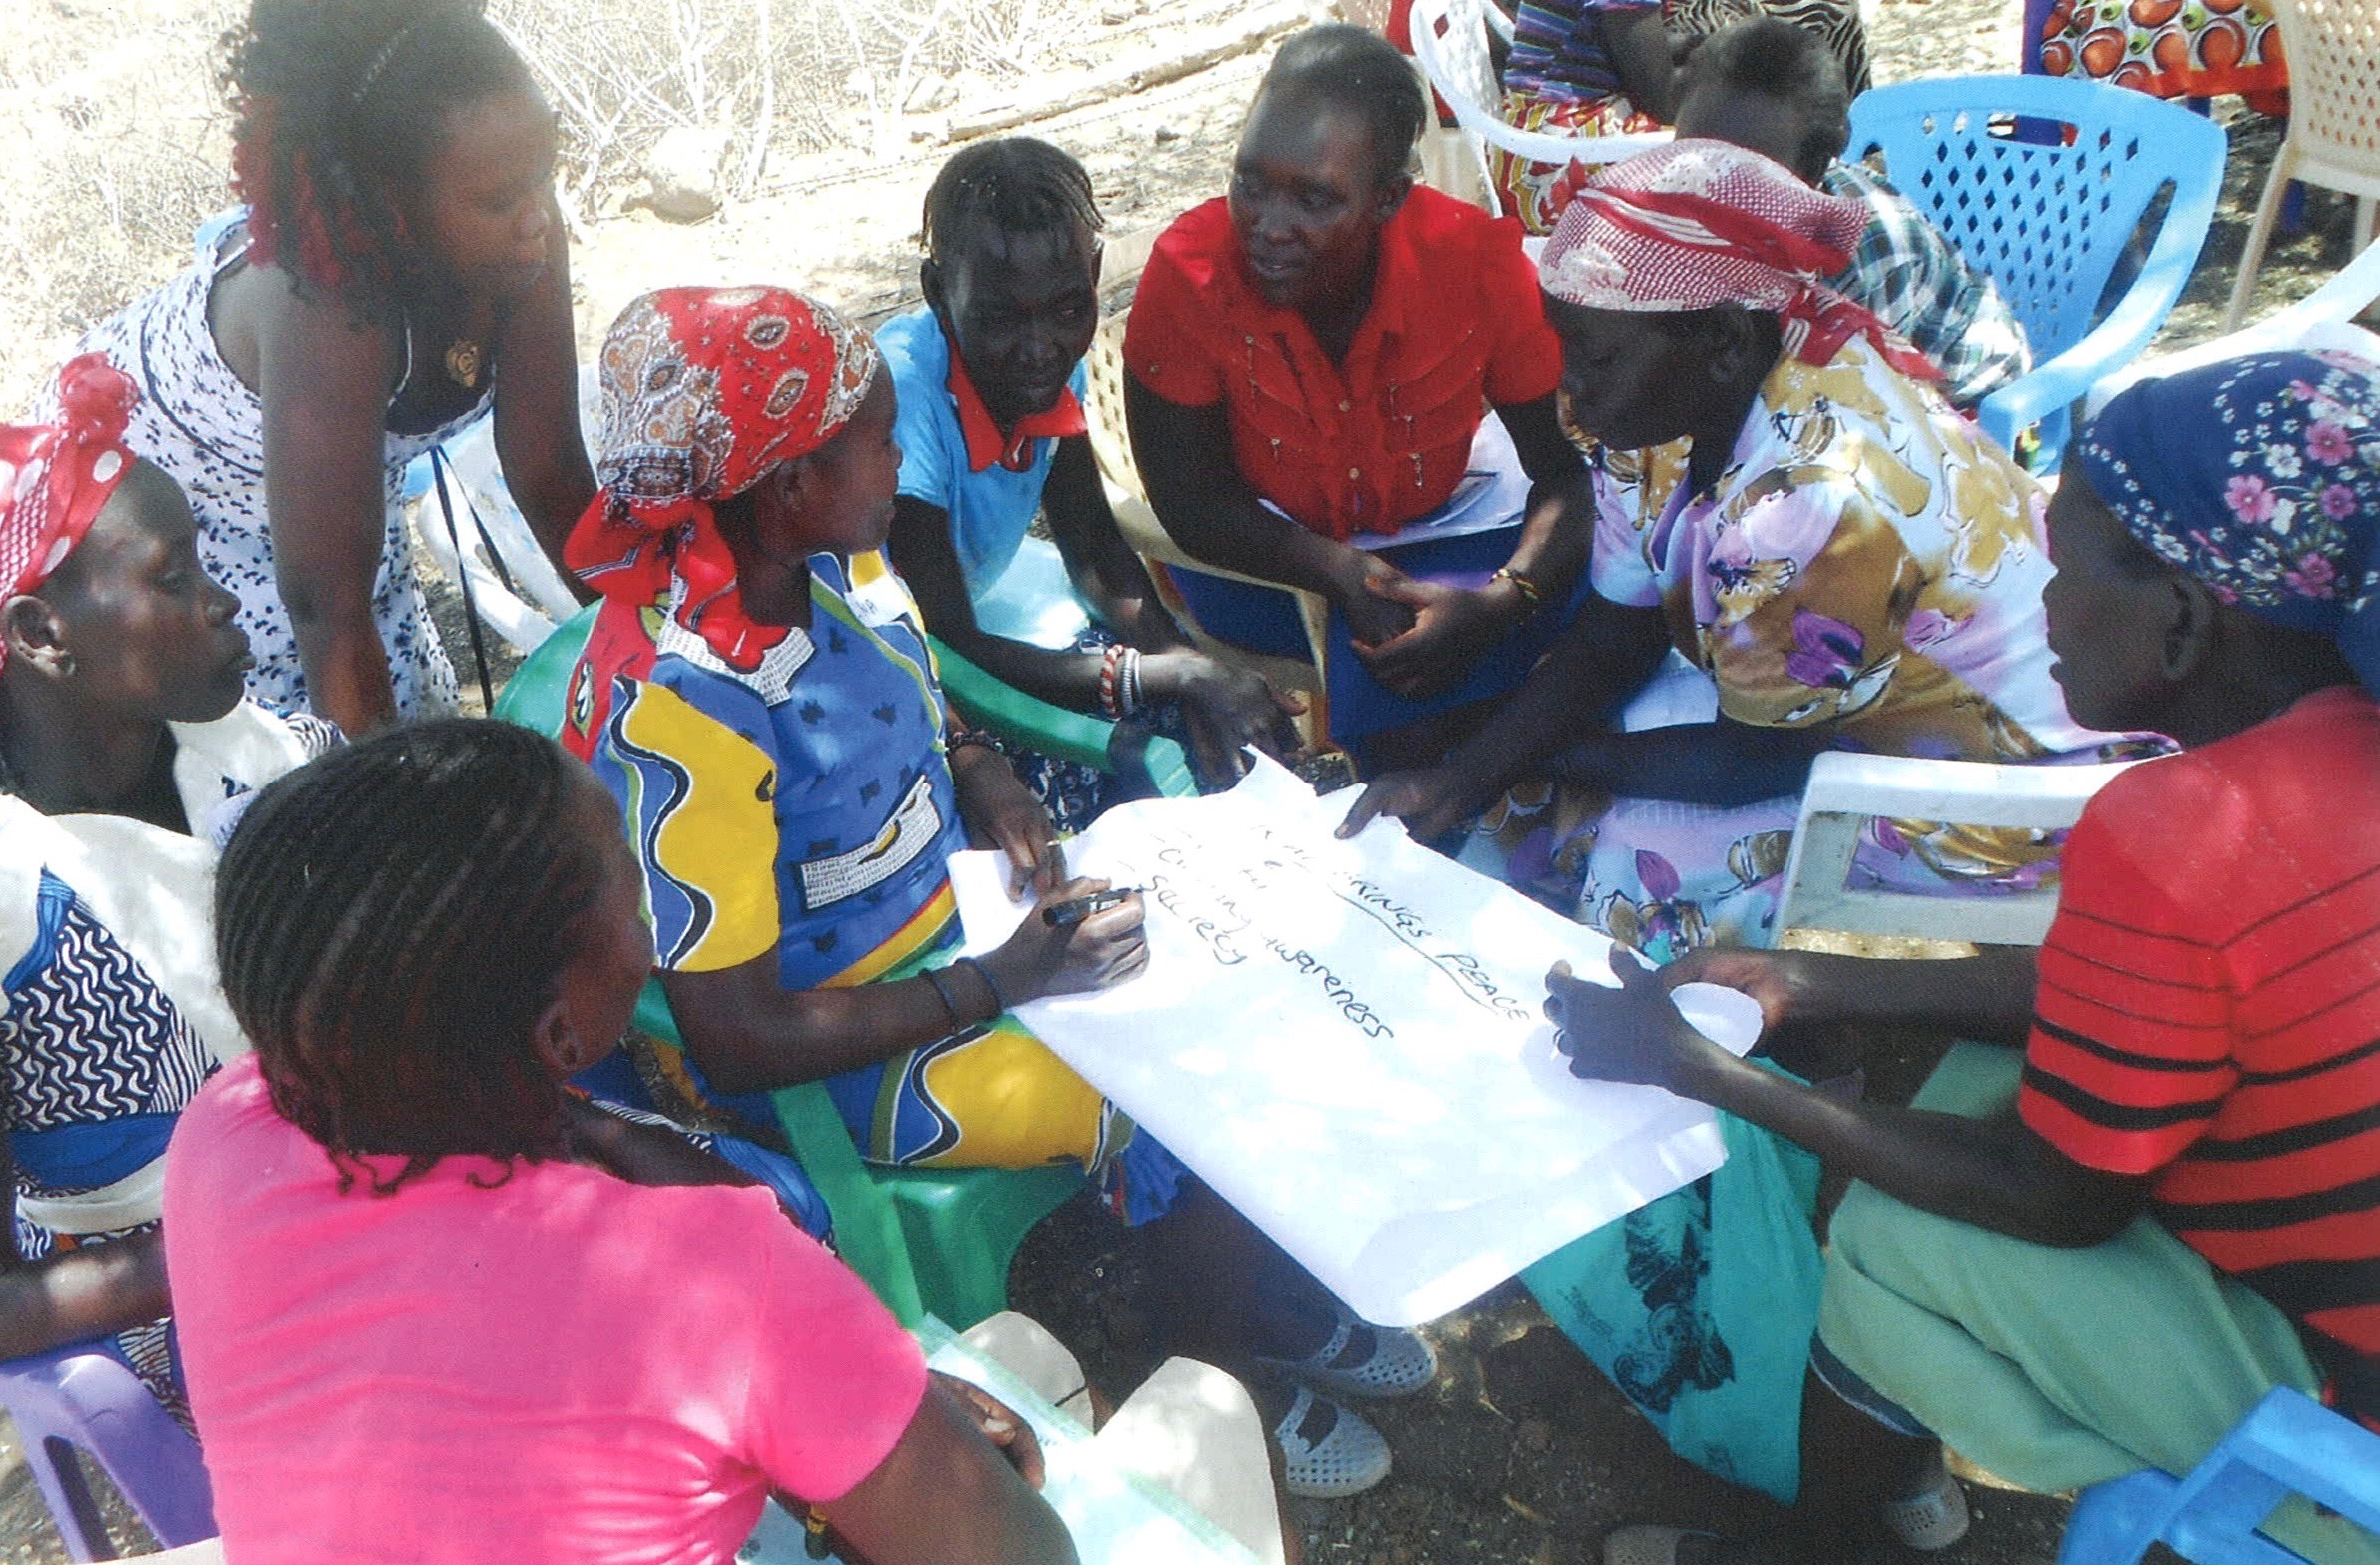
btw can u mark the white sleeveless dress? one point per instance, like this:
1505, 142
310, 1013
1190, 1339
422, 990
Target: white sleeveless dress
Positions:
201, 424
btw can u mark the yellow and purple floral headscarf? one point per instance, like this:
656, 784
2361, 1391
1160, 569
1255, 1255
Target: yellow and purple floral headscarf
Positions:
2259, 476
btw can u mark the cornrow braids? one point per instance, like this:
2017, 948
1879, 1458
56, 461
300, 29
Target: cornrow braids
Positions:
338, 107
1011, 185
1357, 70
391, 920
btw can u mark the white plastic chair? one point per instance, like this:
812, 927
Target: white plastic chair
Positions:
2334, 123
1136, 520
1449, 43
1846, 791
2323, 319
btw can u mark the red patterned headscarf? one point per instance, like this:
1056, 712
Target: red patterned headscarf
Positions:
705, 391
1700, 223
56, 477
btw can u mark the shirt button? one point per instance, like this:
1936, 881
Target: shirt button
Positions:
1355, 473
1344, 404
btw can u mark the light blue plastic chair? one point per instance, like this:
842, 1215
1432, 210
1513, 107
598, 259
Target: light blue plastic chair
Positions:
2288, 1444
2041, 181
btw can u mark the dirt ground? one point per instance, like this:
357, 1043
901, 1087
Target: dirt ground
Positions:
1519, 1453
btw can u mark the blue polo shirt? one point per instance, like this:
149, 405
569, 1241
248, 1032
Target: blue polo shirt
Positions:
989, 510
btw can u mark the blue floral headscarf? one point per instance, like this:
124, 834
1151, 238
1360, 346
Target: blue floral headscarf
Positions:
2259, 476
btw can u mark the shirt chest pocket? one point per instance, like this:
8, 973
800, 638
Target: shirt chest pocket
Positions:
1276, 398
1436, 398
844, 842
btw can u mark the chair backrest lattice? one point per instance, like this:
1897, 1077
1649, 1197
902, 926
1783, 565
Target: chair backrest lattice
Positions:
1111, 437
2041, 182
1463, 52
2334, 79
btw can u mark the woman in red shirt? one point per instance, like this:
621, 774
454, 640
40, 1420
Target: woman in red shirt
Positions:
2093, 1249
1310, 358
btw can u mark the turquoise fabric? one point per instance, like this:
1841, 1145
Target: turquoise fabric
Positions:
989, 510
1702, 1306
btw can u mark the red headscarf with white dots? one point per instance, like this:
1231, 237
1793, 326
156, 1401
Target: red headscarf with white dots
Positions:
56, 477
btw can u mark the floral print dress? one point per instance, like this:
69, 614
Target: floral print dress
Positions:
1868, 564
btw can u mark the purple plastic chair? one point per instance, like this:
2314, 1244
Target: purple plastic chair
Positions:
81, 1397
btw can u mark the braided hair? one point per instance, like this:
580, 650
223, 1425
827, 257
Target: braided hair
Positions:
391, 920
1011, 185
338, 107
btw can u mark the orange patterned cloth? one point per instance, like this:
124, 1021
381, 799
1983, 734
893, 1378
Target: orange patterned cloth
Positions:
2171, 48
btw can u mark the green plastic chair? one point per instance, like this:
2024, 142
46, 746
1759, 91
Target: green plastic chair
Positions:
929, 1241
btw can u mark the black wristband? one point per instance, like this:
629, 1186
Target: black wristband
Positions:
942, 990
999, 1000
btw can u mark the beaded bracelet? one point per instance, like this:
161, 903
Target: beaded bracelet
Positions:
1111, 665
1528, 590
1128, 682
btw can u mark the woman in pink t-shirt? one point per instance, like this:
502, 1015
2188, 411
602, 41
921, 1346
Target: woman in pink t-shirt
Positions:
433, 1306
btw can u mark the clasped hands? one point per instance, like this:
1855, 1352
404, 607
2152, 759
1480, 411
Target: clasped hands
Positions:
1421, 637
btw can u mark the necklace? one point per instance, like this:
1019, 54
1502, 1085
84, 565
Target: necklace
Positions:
464, 361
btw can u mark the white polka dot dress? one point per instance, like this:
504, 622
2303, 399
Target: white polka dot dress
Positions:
201, 424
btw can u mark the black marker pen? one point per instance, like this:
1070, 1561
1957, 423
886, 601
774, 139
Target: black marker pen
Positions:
1066, 915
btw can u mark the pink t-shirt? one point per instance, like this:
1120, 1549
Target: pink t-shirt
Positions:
562, 1367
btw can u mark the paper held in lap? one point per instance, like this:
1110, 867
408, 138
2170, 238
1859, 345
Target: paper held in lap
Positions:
1346, 1040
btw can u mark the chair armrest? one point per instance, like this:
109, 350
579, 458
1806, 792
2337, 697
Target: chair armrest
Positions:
1543, 147
2119, 340
1971, 792
1152, 764
1026, 719
2112, 343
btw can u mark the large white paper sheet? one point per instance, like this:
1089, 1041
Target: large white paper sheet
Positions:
1345, 1039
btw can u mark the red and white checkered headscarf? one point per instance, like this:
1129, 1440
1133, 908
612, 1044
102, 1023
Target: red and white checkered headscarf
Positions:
1700, 223
56, 477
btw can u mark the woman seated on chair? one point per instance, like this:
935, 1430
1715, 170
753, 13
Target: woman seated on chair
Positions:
1309, 359
2182, 1210
125, 749
992, 431
759, 695
401, 270
424, 1302
1777, 89
1608, 68
1577, 68
1786, 496
126, 754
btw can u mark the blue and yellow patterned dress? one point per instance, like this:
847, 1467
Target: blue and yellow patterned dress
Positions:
807, 807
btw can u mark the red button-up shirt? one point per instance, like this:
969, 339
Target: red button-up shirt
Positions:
1456, 323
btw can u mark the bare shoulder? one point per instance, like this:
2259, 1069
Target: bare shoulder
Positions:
272, 331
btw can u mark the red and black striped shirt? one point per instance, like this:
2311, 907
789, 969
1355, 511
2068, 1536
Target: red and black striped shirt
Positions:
2209, 1012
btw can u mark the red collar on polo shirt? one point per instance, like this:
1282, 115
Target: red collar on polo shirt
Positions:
1013, 450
